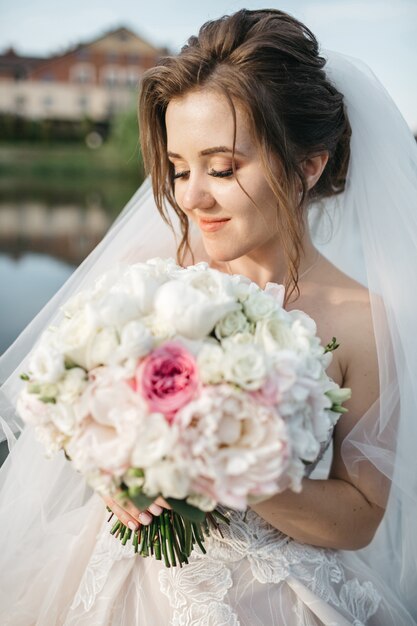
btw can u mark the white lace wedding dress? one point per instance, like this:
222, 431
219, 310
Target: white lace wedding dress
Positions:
252, 575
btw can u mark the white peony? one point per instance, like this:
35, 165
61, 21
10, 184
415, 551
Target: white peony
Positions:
75, 335
141, 281
135, 341
236, 446
117, 309
97, 446
62, 417
101, 348
154, 440
194, 304
46, 363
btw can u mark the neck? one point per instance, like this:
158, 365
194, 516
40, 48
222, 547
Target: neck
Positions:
269, 263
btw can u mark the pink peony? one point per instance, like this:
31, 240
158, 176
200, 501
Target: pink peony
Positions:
267, 394
167, 378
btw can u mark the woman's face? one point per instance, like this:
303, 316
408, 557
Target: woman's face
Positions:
200, 139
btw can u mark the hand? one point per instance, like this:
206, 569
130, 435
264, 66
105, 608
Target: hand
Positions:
131, 516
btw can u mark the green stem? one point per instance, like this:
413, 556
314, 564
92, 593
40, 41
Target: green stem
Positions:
198, 538
168, 531
157, 542
164, 545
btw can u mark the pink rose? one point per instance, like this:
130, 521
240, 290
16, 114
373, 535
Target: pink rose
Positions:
167, 378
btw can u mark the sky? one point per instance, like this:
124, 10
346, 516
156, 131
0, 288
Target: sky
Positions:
382, 33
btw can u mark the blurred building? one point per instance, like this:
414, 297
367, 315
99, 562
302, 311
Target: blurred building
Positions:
93, 80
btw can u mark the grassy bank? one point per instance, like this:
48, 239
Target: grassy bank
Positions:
68, 173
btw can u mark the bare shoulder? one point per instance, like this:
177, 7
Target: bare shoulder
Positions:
341, 307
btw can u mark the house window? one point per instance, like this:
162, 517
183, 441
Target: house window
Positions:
131, 77
134, 59
110, 75
47, 77
47, 102
20, 103
83, 73
83, 103
111, 56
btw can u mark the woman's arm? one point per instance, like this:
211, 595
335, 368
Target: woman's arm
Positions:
337, 513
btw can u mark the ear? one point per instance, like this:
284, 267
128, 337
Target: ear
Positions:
313, 168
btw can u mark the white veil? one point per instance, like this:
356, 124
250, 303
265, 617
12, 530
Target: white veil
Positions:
373, 237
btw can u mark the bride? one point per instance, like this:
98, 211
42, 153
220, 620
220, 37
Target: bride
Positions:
255, 142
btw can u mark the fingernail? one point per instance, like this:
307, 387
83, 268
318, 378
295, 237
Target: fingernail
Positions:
132, 525
145, 518
155, 509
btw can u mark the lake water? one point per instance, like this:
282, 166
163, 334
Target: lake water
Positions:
26, 284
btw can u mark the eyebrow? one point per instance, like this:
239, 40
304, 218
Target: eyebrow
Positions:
207, 151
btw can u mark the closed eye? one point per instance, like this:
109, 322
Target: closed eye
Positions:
212, 172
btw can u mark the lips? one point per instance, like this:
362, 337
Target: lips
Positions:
211, 225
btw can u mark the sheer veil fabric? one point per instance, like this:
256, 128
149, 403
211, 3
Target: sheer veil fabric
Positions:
50, 520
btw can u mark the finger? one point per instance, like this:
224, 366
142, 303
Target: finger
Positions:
129, 511
161, 502
123, 515
155, 509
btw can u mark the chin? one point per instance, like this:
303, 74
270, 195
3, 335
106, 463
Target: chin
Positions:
219, 254
222, 249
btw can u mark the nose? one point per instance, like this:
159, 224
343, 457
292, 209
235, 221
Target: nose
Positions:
195, 194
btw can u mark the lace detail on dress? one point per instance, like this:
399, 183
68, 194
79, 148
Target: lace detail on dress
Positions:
106, 552
272, 557
206, 583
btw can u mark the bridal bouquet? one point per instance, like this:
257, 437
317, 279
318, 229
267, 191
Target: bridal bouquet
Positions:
185, 383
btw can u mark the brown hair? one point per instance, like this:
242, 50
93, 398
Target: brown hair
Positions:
269, 62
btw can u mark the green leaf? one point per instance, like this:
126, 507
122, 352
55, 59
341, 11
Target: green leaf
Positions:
188, 511
24, 377
332, 345
47, 400
141, 501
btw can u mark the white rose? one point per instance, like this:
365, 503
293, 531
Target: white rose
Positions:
274, 334
168, 478
194, 307
232, 323
245, 366
46, 363
210, 362
259, 306
239, 338
72, 385
243, 287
